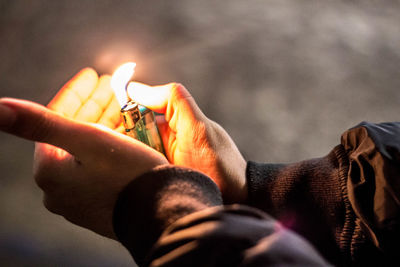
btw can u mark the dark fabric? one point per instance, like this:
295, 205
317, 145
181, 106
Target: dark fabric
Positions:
179, 203
346, 203
305, 197
232, 236
374, 184
156, 199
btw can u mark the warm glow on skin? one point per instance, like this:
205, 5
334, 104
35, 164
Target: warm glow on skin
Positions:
153, 97
120, 80
88, 98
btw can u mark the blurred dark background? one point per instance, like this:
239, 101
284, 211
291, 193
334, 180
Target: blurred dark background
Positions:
285, 78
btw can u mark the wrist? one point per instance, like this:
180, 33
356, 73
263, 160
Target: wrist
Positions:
230, 170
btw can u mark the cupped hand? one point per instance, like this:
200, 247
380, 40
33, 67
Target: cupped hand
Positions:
80, 164
88, 98
192, 140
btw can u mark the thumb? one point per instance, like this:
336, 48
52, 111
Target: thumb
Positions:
154, 97
35, 122
169, 99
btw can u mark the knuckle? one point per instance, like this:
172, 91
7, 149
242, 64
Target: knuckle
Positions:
179, 91
182, 99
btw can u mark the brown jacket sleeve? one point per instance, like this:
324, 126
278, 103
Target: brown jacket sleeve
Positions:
346, 203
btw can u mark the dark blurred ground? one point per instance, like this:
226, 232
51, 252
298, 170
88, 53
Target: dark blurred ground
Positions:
285, 78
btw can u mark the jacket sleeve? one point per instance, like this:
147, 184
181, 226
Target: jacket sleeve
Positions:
175, 217
346, 203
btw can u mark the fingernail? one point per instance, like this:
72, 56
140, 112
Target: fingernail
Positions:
7, 116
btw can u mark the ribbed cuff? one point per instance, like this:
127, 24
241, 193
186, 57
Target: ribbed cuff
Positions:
153, 201
346, 237
258, 176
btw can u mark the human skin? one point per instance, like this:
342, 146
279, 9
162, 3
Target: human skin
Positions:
193, 140
83, 161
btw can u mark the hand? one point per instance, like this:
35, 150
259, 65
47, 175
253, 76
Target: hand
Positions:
88, 98
192, 140
82, 167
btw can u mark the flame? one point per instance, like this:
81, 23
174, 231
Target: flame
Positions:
120, 80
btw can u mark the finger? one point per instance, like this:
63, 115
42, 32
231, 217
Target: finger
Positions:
111, 116
82, 140
37, 123
94, 147
153, 97
74, 93
95, 105
172, 99
163, 128
168, 136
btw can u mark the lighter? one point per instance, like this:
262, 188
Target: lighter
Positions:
139, 121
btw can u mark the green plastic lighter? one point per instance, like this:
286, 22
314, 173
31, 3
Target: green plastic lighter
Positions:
139, 121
